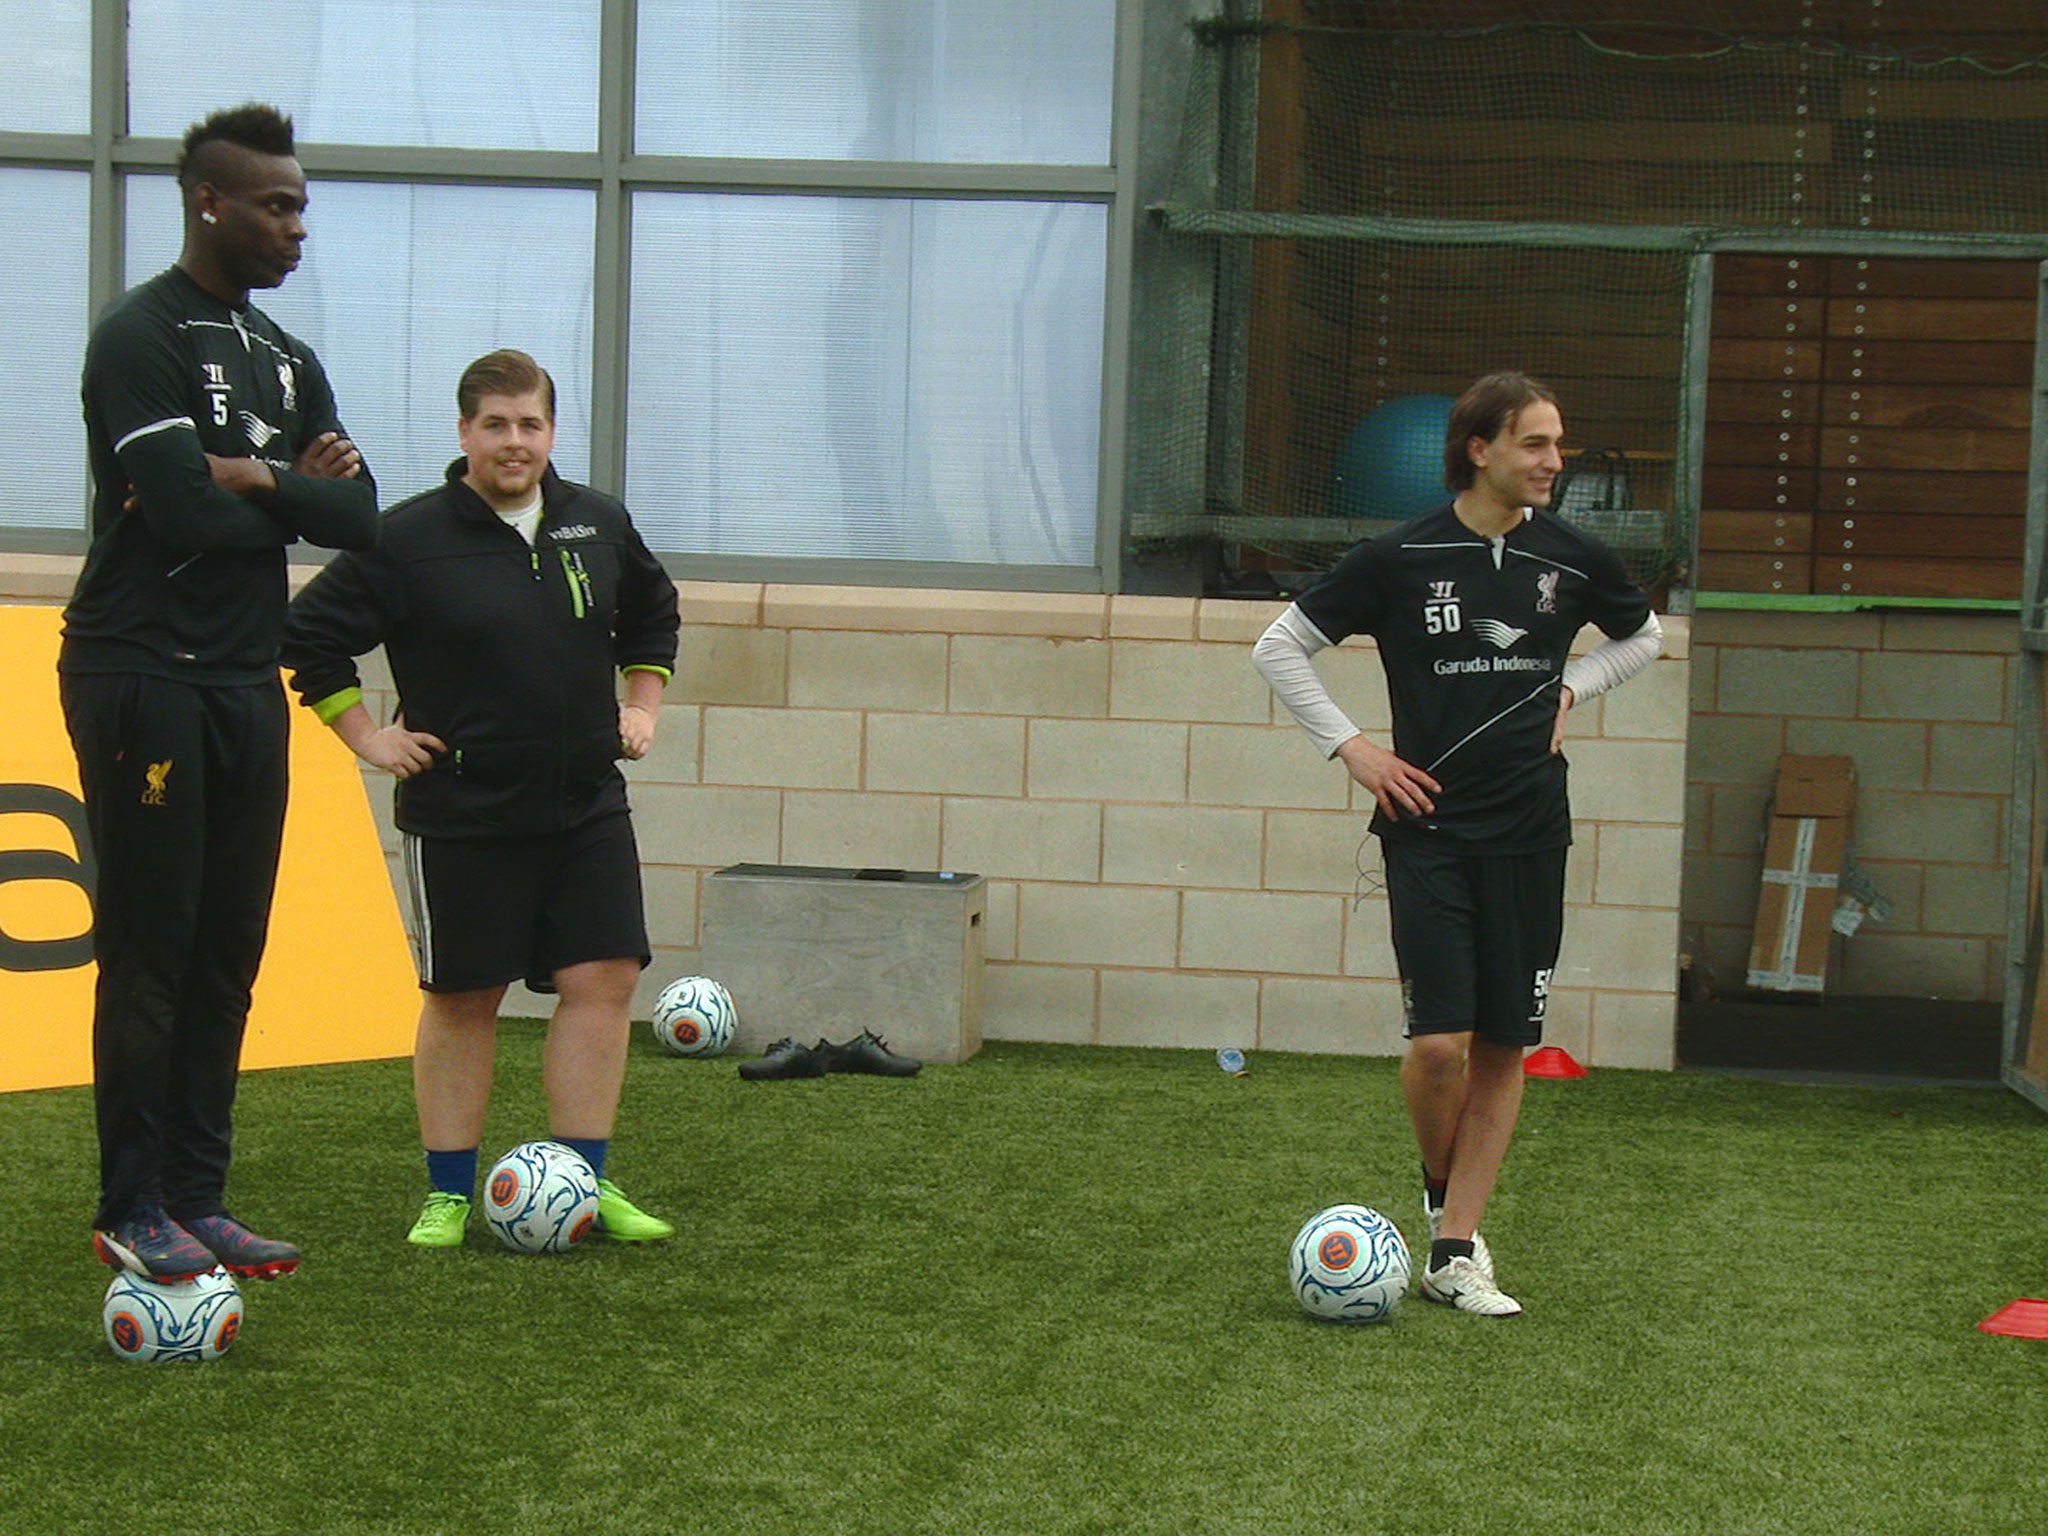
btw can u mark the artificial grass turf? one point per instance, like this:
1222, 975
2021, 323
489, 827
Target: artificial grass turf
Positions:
1045, 1292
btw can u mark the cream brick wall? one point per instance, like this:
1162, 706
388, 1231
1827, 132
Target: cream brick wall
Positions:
1924, 703
861, 831
830, 669
1143, 760
1169, 862
1181, 845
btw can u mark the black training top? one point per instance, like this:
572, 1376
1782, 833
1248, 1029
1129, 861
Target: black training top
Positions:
189, 583
1474, 634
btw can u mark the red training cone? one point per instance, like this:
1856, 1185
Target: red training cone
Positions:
2026, 1318
1551, 1061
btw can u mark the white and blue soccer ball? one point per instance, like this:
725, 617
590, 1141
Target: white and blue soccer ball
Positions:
541, 1197
1349, 1263
695, 1017
157, 1320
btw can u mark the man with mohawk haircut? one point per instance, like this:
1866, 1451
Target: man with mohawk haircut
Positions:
214, 445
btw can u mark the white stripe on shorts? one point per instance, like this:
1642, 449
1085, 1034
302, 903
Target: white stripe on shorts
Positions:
422, 914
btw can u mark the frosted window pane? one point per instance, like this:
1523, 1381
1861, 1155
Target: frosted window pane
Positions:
49, 78
404, 286
443, 73
866, 377
43, 304
975, 81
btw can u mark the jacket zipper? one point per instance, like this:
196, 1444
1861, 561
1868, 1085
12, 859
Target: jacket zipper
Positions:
578, 580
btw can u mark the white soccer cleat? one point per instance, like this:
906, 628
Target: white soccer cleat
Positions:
1481, 1254
1464, 1285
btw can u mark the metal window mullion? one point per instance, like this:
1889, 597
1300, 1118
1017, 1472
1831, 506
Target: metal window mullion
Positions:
1230, 344
612, 254
883, 178
109, 120
2034, 612
2023, 938
2023, 949
1111, 455
105, 222
1689, 468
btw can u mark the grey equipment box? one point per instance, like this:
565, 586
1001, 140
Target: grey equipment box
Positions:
809, 952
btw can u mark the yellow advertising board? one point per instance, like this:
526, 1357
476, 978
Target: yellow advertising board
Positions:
337, 982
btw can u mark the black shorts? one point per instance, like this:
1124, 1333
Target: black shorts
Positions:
490, 911
1476, 937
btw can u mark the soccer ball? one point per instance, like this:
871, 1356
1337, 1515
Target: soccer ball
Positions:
694, 1017
153, 1320
1349, 1263
541, 1197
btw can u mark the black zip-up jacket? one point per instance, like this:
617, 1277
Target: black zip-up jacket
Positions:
506, 653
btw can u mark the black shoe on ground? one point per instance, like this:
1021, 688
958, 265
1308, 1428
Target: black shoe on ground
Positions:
150, 1244
785, 1058
869, 1053
240, 1251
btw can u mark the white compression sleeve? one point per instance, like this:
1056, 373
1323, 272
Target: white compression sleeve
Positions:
1613, 662
1282, 658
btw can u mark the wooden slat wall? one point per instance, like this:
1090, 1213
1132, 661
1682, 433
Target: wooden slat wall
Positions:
1868, 420
1868, 427
1760, 484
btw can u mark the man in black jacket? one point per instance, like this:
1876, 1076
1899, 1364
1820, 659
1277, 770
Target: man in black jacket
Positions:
506, 600
214, 444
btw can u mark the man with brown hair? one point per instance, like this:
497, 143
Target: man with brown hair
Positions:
214, 445
508, 600
1474, 607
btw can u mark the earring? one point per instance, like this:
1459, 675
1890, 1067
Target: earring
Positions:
209, 218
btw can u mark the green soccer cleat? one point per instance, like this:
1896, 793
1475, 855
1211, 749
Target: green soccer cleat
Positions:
441, 1221
623, 1221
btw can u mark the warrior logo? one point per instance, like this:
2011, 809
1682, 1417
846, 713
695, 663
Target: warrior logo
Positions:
153, 782
1546, 592
1440, 612
217, 390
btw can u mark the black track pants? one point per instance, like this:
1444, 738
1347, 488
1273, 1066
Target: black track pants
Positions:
184, 795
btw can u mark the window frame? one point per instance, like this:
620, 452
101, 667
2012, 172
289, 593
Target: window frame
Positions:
614, 172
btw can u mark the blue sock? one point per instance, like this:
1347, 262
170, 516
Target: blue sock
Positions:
592, 1151
453, 1173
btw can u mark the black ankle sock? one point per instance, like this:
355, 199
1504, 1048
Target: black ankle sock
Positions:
1445, 1249
1433, 1190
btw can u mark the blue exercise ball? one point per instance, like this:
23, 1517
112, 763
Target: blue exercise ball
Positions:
1391, 465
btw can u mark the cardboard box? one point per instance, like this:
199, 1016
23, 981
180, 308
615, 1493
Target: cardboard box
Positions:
1806, 848
1815, 786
